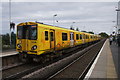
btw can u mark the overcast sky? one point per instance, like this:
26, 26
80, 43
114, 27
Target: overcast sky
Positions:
88, 16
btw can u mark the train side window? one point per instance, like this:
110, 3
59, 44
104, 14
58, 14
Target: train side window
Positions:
70, 37
88, 37
51, 36
77, 37
64, 36
80, 36
46, 35
84, 36
91, 37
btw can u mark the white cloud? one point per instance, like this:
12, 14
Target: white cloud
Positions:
0, 18
61, 0
93, 15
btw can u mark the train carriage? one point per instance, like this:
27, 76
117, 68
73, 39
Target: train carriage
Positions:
35, 39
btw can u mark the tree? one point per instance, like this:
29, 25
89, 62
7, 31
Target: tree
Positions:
83, 31
6, 39
91, 32
71, 28
77, 29
104, 35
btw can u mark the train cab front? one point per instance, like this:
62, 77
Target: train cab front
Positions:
26, 43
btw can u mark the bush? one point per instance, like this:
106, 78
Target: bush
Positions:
5, 42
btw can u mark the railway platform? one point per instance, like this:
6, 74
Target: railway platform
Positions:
9, 58
8, 53
106, 63
104, 66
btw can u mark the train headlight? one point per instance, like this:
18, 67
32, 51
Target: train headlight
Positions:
18, 45
34, 47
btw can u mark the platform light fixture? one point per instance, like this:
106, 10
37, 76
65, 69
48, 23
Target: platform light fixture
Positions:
55, 15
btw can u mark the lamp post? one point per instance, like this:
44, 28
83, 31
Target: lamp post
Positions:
115, 27
72, 25
11, 24
10, 19
118, 23
54, 19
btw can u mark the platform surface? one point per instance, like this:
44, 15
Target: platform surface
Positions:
105, 65
8, 53
116, 57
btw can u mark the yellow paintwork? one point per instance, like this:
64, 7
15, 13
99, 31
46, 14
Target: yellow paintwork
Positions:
47, 46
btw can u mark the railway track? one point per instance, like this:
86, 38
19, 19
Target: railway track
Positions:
23, 71
80, 66
57, 70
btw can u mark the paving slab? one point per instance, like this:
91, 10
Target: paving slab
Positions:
8, 53
104, 68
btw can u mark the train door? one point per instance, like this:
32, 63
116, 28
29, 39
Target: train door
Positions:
52, 39
25, 38
71, 38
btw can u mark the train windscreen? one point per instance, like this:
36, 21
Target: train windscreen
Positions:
27, 32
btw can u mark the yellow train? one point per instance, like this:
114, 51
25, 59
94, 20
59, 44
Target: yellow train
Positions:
37, 39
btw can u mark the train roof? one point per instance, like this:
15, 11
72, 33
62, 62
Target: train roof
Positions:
51, 26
